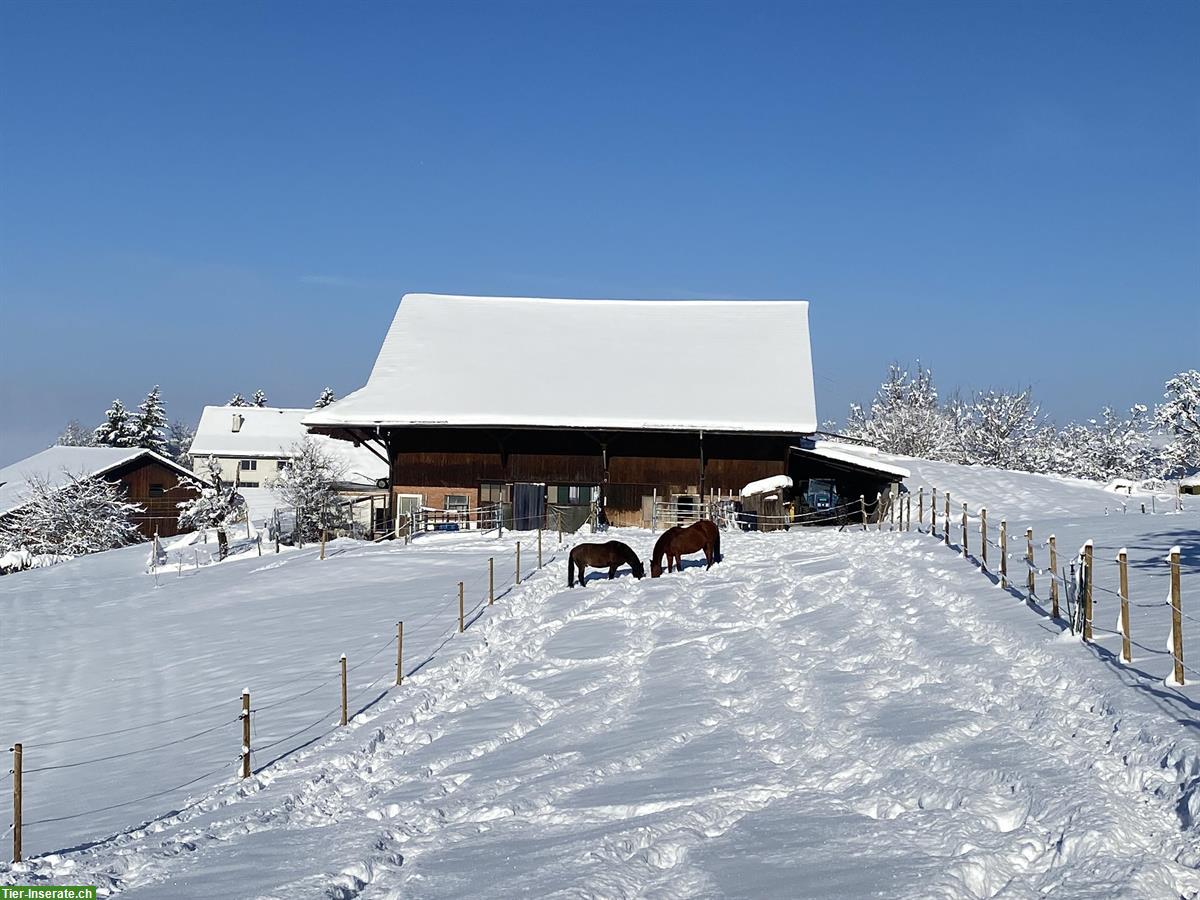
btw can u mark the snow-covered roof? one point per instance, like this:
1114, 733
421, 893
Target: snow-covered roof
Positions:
719, 365
774, 483
268, 432
56, 464
862, 459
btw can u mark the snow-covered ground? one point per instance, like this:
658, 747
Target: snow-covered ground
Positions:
823, 714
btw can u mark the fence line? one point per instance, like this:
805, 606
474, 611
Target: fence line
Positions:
484, 586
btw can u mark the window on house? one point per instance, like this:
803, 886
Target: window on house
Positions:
157, 490
457, 503
282, 464
249, 465
247, 484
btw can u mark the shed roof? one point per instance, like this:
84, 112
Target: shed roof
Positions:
715, 365
56, 464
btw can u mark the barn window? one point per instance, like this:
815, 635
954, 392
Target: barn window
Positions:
457, 503
491, 492
157, 490
249, 465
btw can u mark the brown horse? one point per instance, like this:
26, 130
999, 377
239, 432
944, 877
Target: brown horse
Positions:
679, 540
610, 554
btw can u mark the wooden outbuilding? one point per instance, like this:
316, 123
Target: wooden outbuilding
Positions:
153, 482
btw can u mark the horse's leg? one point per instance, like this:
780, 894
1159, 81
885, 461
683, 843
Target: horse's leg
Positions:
708, 555
582, 575
612, 572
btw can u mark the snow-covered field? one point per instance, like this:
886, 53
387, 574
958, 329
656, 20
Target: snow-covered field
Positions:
824, 714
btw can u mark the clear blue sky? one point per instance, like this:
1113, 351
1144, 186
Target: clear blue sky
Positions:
223, 196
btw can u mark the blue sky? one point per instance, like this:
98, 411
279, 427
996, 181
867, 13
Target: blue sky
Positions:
224, 196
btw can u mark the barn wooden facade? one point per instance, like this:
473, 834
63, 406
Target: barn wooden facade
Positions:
153, 482
615, 422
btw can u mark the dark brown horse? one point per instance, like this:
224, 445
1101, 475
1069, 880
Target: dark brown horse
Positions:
679, 540
608, 555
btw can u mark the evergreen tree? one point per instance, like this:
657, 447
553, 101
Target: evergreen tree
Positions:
259, 398
149, 425
75, 435
325, 399
117, 430
237, 400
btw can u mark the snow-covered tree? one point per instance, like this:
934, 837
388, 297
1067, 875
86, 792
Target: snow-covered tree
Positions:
218, 506
1000, 429
325, 399
149, 425
1179, 417
80, 515
237, 400
117, 430
905, 417
259, 398
307, 485
1109, 447
75, 435
179, 442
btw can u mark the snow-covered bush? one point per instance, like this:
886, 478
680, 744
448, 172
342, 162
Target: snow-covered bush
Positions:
1001, 429
80, 515
1109, 447
237, 400
259, 398
325, 399
307, 485
1179, 417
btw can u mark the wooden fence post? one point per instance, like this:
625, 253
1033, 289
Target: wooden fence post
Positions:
983, 539
518, 578
18, 763
345, 705
245, 717
908, 512
892, 504
539, 547
920, 508
1088, 562
1004, 553
1126, 649
1053, 579
933, 512
1176, 616
1031, 577
400, 652
322, 543
862, 501
964, 531
946, 528
491, 580
460, 608
879, 510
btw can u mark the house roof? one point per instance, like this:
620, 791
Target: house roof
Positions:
714, 365
56, 464
268, 432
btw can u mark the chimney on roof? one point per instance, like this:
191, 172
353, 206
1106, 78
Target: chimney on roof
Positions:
237, 422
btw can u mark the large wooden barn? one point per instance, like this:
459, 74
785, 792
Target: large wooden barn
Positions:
480, 400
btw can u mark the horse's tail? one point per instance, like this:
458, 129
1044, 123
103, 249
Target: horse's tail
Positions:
571, 569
